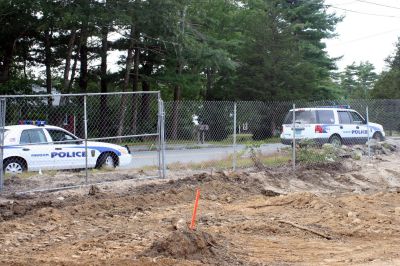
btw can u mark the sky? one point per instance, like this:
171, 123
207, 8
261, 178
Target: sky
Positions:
368, 32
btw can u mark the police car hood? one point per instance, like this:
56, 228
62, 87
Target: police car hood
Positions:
106, 147
375, 126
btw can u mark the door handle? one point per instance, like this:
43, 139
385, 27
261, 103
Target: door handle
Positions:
341, 127
26, 149
58, 149
357, 127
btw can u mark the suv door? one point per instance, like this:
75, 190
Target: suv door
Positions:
38, 155
68, 152
360, 129
346, 127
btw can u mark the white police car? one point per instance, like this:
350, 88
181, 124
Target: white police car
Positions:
329, 124
33, 148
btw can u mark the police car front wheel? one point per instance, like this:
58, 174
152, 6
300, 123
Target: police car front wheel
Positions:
14, 166
107, 160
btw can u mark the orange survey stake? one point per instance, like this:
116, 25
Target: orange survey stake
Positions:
196, 203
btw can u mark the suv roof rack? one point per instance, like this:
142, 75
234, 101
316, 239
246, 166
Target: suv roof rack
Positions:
343, 106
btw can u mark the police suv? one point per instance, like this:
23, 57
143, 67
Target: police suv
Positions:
44, 147
329, 124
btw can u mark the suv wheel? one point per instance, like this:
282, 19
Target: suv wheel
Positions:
377, 136
335, 140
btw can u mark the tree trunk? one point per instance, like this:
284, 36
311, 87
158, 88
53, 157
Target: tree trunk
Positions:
104, 81
83, 77
176, 106
209, 85
124, 98
47, 63
145, 101
5, 66
73, 70
83, 52
135, 84
68, 59
177, 88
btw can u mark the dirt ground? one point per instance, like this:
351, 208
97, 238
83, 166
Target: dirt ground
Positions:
333, 214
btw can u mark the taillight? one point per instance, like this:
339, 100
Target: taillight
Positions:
318, 129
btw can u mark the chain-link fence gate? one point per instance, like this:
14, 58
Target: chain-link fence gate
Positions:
95, 132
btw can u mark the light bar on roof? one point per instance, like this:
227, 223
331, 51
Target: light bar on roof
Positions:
32, 122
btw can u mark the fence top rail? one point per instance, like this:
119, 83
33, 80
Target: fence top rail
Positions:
79, 94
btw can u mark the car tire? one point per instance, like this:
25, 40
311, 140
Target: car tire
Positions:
378, 136
335, 140
14, 166
107, 160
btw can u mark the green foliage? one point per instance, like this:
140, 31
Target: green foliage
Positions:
17, 85
307, 151
214, 50
388, 85
240, 138
357, 81
283, 57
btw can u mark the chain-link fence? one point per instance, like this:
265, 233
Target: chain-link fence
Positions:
226, 135
47, 138
98, 132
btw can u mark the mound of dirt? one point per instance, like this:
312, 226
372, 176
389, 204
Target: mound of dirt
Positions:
189, 245
184, 244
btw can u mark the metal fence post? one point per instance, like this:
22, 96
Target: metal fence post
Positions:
86, 137
2, 121
294, 140
163, 144
161, 138
234, 137
369, 144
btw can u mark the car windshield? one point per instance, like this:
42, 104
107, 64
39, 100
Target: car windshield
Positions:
302, 117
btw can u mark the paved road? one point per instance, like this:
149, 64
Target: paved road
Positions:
149, 158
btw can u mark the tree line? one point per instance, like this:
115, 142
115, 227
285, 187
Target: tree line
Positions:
187, 49
203, 49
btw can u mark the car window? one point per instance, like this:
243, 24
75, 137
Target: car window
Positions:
302, 117
60, 135
326, 117
344, 117
356, 118
30, 136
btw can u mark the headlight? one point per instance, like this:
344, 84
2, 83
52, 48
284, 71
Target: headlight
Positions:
123, 151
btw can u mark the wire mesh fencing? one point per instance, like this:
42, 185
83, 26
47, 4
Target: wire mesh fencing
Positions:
50, 139
141, 135
229, 135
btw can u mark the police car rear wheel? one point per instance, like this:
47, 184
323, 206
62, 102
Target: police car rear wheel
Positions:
14, 166
335, 140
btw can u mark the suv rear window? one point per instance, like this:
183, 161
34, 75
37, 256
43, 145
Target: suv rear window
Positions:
302, 117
